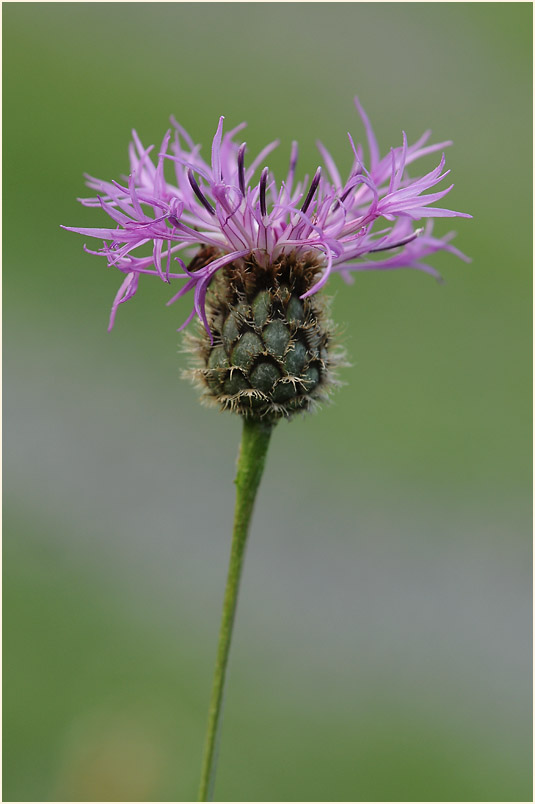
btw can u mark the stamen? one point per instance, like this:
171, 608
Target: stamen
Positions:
241, 168
353, 186
403, 242
263, 182
197, 190
313, 188
344, 196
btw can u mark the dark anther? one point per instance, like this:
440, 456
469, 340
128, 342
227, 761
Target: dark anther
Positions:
197, 190
263, 182
172, 220
313, 188
344, 196
352, 186
241, 168
399, 243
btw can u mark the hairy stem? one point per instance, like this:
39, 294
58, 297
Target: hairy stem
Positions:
251, 460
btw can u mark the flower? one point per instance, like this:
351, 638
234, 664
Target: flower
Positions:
225, 216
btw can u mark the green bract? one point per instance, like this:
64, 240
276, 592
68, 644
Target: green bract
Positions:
272, 353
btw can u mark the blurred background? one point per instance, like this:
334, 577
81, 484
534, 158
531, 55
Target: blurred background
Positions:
383, 640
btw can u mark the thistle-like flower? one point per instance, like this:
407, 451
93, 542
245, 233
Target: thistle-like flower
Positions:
254, 253
255, 256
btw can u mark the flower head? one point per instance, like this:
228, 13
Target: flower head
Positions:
254, 253
234, 211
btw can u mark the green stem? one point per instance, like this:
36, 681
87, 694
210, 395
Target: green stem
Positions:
251, 460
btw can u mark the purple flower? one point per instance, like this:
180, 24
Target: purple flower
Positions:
231, 213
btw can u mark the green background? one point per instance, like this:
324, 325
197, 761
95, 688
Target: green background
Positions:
382, 649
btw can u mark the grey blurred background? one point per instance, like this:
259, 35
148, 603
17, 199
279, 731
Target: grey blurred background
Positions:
383, 641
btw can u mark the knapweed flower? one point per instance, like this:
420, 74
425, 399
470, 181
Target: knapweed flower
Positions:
253, 253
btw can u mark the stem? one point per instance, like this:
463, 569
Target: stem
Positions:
251, 460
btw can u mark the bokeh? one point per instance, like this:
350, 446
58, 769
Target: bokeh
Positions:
382, 649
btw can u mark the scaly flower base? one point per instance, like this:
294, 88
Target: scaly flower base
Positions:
272, 352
